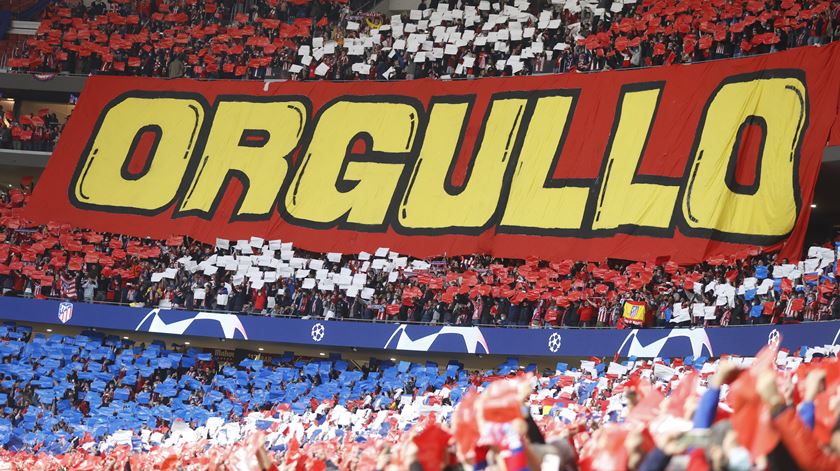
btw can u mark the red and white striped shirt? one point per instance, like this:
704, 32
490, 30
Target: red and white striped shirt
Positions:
68, 288
603, 313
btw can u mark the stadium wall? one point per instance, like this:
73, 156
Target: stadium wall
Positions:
646, 343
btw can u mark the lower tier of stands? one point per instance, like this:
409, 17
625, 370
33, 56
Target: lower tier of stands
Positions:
92, 401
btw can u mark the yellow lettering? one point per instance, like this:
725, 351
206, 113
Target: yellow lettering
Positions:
769, 208
530, 203
428, 204
252, 140
620, 201
320, 192
103, 178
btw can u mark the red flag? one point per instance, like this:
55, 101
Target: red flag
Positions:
174, 241
431, 444
502, 401
786, 285
768, 308
465, 424
751, 418
293, 450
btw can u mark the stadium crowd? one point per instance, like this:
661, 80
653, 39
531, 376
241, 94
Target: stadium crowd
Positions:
275, 278
97, 402
35, 132
101, 402
324, 39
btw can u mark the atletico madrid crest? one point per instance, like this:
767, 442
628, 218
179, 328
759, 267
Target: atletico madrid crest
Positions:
65, 312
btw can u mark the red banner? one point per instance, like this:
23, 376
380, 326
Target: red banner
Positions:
685, 162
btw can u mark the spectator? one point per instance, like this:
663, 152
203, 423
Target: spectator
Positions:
224, 40
37, 132
88, 287
176, 68
107, 402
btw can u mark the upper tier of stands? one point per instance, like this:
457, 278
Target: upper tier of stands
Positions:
324, 39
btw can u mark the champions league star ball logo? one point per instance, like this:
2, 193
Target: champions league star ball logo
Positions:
454, 339
652, 348
317, 332
774, 338
554, 342
228, 324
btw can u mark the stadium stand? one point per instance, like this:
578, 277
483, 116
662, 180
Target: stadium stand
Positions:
92, 401
302, 40
38, 132
273, 278
325, 40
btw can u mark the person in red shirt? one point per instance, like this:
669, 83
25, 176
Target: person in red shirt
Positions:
260, 298
586, 313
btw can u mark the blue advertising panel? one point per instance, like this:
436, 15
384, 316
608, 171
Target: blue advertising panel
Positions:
644, 343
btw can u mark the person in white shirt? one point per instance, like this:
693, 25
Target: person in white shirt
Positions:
88, 287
